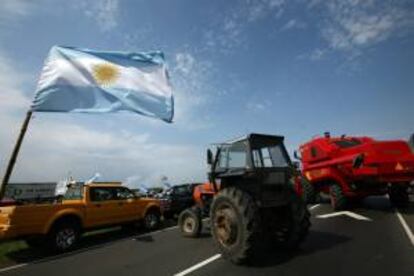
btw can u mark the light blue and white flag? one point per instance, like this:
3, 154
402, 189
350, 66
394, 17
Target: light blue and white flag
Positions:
83, 80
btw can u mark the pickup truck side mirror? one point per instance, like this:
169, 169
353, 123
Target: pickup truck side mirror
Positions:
209, 157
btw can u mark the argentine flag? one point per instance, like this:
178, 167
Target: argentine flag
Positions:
83, 80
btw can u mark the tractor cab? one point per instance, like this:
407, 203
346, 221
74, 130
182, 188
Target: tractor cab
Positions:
259, 164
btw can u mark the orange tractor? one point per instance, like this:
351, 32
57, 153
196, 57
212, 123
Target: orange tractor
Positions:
190, 220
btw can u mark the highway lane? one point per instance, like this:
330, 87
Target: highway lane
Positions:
340, 246
337, 245
160, 253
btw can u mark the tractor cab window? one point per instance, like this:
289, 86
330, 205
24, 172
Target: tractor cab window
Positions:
257, 160
233, 156
269, 157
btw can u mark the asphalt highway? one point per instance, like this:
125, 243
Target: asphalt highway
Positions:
372, 239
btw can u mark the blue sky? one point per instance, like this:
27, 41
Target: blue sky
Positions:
296, 68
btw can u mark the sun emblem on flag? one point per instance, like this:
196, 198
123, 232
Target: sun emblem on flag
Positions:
105, 73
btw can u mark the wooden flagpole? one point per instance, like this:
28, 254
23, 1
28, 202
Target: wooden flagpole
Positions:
15, 152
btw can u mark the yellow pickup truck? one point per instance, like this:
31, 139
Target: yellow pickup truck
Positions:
59, 225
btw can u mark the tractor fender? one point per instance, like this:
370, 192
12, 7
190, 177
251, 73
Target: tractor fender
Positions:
61, 215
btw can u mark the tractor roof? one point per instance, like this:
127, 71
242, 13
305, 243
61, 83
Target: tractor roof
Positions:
254, 136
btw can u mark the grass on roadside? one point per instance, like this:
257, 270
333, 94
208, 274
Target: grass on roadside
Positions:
9, 247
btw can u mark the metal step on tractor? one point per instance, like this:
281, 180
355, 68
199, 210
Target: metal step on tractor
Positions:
251, 201
351, 168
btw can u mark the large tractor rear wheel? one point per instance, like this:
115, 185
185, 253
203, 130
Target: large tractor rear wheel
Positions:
190, 222
398, 195
235, 225
292, 223
338, 199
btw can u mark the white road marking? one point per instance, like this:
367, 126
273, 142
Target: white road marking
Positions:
197, 266
405, 226
314, 206
83, 249
345, 213
12, 267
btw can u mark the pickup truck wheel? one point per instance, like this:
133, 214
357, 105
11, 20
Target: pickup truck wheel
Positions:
190, 223
152, 220
338, 199
64, 236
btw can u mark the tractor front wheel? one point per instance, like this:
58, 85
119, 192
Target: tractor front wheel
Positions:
190, 222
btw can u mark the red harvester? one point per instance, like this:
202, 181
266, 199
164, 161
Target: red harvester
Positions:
355, 167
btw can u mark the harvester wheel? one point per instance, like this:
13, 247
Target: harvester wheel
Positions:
190, 222
398, 195
235, 225
309, 194
338, 199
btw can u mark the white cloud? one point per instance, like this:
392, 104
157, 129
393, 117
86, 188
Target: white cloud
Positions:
258, 106
352, 25
184, 62
193, 90
317, 54
13, 105
104, 12
53, 148
229, 31
10, 81
257, 10
293, 24
12, 9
